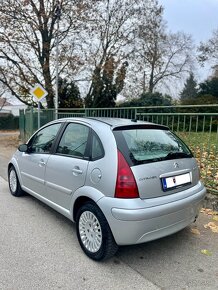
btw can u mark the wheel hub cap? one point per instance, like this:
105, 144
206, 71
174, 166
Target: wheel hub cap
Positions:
90, 231
13, 181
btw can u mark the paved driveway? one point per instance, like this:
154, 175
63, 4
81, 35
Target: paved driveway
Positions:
39, 250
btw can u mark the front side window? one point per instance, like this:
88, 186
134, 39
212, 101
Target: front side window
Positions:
150, 145
42, 141
74, 140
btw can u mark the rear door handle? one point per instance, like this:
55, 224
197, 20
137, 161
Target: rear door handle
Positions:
76, 171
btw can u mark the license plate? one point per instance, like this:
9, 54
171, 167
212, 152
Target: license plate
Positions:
176, 181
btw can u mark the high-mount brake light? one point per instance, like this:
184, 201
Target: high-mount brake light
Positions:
126, 186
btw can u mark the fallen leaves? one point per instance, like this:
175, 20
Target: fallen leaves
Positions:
206, 252
209, 211
195, 231
214, 217
205, 150
212, 226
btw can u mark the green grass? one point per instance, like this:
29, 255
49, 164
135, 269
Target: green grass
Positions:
205, 149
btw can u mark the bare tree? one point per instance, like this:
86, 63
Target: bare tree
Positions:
112, 31
27, 43
208, 51
2, 91
160, 55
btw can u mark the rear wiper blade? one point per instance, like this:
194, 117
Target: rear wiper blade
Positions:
177, 155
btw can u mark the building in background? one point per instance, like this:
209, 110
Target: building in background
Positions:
9, 108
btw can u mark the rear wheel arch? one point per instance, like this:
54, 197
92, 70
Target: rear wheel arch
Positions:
80, 201
81, 196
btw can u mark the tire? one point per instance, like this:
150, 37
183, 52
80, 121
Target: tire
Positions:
14, 184
94, 234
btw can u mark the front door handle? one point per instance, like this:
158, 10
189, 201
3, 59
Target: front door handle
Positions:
41, 163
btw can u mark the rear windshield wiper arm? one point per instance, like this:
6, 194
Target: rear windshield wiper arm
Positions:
177, 155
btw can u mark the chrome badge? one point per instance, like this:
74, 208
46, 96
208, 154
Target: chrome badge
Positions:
176, 165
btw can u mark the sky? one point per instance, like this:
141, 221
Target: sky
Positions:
195, 17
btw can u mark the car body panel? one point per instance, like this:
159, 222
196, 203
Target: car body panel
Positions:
64, 175
149, 176
32, 170
139, 221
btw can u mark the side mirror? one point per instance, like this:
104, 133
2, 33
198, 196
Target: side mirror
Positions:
23, 148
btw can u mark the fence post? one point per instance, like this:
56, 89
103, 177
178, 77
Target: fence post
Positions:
31, 121
22, 124
135, 114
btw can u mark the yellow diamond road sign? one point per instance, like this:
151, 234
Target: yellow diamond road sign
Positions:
38, 92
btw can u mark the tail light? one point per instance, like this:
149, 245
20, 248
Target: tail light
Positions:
126, 186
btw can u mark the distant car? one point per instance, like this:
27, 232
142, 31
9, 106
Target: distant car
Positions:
122, 181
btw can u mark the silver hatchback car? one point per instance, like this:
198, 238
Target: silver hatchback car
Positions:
122, 181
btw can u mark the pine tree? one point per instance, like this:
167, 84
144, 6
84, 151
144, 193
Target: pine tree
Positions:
107, 83
189, 91
69, 95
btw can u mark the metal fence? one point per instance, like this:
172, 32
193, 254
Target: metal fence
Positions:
196, 125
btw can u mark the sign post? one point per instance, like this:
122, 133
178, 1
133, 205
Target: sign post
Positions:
38, 93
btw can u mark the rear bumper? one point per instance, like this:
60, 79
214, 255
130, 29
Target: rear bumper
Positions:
138, 221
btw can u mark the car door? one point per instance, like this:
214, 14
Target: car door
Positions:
66, 169
33, 162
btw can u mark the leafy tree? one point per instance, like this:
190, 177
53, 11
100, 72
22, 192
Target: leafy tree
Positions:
190, 90
69, 95
208, 51
149, 99
28, 31
107, 83
202, 100
207, 93
209, 87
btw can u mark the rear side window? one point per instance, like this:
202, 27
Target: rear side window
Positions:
74, 140
150, 145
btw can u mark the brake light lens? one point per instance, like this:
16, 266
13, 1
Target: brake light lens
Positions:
126, 186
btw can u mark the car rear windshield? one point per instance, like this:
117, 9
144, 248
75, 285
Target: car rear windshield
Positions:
150, 145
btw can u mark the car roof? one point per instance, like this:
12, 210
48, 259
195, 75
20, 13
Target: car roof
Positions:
114, 122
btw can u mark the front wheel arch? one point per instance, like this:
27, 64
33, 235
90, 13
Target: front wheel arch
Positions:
13, 182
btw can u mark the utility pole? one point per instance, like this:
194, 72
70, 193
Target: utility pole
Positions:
58, 15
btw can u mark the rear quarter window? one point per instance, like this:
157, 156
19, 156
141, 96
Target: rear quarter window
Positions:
97, 151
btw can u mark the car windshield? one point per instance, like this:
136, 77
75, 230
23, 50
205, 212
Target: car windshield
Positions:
150, 145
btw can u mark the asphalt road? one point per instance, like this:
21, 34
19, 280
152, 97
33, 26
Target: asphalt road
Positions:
3, 167
39, 250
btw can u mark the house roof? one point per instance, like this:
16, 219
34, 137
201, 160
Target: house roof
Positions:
3, 103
